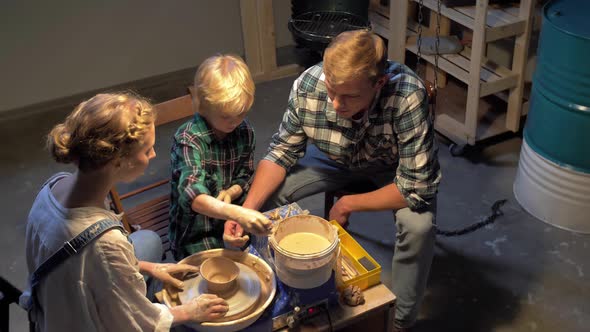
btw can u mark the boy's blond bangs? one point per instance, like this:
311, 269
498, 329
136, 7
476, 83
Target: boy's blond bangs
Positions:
223, 84
355, 54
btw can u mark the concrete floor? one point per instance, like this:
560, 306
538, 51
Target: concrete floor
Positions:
518, 274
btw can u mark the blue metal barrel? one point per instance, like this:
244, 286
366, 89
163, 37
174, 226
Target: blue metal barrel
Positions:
553, 178
558, 125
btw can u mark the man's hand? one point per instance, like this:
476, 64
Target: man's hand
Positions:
233, 234
165, 272
340, 212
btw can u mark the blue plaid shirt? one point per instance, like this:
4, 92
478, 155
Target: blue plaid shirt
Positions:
398, 131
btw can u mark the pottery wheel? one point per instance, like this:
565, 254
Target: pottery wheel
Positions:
243, 299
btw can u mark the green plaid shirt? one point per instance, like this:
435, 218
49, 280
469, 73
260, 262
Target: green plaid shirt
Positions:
398, 131
202, 164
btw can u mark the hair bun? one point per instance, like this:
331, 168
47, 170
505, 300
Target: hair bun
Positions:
58, 142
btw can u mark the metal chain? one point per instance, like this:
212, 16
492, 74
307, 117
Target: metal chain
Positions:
496, 212
436, 55
437, 44
419, 40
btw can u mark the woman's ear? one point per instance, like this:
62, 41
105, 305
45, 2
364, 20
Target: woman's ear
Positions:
117, 163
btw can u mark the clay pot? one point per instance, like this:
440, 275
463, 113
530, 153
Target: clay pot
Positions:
220, 273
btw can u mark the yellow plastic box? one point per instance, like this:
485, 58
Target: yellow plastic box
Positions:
369, 272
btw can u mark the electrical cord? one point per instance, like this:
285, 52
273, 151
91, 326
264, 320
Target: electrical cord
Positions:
496, 212
329, 318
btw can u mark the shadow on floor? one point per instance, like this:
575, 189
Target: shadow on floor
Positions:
460, 296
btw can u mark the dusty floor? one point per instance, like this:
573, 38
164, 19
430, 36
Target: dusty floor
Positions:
518, 274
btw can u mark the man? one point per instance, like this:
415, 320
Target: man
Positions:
367, 120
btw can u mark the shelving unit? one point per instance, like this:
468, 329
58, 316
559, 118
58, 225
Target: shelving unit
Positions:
482, 76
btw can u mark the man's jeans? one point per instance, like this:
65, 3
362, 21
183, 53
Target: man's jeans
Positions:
414, 246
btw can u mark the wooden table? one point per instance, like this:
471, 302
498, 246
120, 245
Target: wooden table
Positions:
379, 300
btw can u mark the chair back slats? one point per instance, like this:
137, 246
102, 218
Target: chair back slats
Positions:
174, 109
144, 189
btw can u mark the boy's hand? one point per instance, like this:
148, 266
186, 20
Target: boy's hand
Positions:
224, 197
233, 234
252, 221
230, 194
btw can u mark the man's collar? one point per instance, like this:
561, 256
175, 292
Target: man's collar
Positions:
373, 109
332, 116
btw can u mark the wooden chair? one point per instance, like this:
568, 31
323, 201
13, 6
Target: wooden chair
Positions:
153, 212
9, 294
331, 196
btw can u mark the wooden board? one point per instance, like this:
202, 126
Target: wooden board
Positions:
378, 300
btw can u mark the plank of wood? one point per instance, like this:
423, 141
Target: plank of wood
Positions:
519, 60
144, 216
142, 189
473, 90
452, 13
117, 205
398, 18
497, 85
493, 18
175, 109
151, 204
505, 31
444, 26
150, 222
252, 42
280, 72
452, 129
379, 23
376, 6
458, 65
266, 31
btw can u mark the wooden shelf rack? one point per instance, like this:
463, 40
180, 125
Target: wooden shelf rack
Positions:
482, 76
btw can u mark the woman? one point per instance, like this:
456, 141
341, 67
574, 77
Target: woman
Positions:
110, 139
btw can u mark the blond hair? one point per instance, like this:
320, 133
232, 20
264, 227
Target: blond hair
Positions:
355, 54
223, 83
101, 129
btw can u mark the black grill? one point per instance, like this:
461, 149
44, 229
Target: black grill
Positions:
321, 27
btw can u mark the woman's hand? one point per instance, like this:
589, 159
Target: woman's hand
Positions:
204, 308
166, 272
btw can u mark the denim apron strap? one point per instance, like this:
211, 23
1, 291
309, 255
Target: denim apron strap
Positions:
70, 248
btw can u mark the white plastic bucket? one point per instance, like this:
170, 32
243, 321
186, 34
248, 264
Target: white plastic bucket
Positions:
304, 271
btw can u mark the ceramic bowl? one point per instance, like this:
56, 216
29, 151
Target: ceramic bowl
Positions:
220, 273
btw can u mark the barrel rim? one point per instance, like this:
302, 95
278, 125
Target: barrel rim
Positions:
548, 19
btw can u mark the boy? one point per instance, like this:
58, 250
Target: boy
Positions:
212, 162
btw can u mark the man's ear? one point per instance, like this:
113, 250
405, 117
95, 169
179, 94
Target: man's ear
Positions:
381, 81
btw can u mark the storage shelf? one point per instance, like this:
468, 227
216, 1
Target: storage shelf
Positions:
497, 16
494, 77
482, 76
